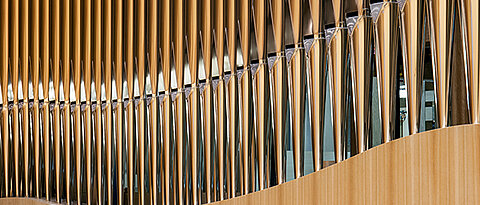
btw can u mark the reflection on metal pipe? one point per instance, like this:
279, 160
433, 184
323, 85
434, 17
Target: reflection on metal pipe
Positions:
180, 104
298, 83
98, 91
24, 64
413, 40
56, 86
167, 139
107, 26
387, 37
66, 94
232, 86
318, 82
45, 66
209, 136
77, 110
35, 81
87, 79
131, 102
279, 89
15, 69
441, 32
141, 74
338, 80
152, 36
4, 38
118, 62
262, 86
470, 11
195, 138
220, 101
361, 63
167, 117
246, 101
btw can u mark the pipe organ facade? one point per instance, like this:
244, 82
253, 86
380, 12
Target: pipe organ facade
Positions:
198, 101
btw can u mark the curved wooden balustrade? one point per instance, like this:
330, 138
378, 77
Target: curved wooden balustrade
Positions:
441, 166
24, 201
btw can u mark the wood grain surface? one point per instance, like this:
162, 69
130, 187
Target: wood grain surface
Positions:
441, 166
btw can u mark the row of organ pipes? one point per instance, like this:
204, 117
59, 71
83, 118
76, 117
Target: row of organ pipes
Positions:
220, 136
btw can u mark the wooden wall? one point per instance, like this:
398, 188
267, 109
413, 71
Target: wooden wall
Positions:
441, 166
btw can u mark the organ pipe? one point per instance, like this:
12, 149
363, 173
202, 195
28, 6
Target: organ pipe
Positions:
246, 101
77, 110
413, 45
208, 106
470, 11
167, 118
232, 86
441, 14
338, 49
141, 115
35, 65
87, 79
24, 66
4, 38
15, 68
131, 101
205, 135
152, 48
387, 37
180, 100
194, 101
118, 67
279, 89
262, 94
317, 81
297, 78
361, 67
220, 101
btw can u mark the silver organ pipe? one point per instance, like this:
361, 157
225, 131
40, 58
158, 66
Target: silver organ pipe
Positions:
143, 102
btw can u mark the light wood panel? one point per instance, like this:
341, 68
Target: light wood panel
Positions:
441, 166
24, 201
